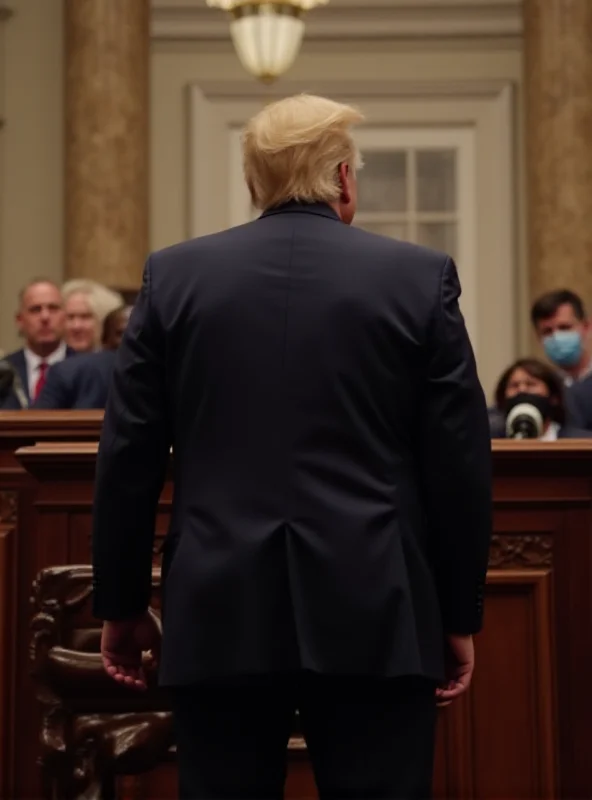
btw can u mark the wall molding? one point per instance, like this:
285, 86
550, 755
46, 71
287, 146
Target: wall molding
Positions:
365, 90
192, 20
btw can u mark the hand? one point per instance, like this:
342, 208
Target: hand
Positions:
123, 644
460, 663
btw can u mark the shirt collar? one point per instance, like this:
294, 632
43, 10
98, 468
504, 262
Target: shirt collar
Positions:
551, 434
33, 360
568, 380
294, 206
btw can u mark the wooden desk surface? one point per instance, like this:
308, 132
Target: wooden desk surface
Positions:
524, 730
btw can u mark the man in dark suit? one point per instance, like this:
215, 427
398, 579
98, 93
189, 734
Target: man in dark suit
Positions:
562, 325
579, 400
83, 382
329, 535
40, 321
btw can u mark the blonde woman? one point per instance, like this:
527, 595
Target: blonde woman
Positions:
86, 304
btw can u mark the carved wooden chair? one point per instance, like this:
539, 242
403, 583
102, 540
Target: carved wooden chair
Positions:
92, 729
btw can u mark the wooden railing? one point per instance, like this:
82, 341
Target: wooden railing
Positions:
523, 732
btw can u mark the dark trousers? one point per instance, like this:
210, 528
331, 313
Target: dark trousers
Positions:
368, 739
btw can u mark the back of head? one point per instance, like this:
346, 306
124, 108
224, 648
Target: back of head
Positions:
293, 148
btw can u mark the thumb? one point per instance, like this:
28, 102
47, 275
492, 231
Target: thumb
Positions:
155, 644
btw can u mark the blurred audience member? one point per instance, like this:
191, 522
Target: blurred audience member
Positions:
40, 321
86, 304
114, 327
532, 382
579, 397
561, 323
83, 382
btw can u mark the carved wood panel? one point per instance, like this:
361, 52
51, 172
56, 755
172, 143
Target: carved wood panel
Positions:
521, 550
8, 508
8, 522
512, 705
497, 743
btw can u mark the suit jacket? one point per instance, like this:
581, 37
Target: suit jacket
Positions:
497, 423
331, 467
17, 359
571, 432
579, 399
81, 382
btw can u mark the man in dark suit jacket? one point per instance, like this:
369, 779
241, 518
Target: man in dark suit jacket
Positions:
332, 488
83, 382
40, 321
562, 325
579, 399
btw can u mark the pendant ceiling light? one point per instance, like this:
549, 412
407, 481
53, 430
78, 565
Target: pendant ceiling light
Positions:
267, 33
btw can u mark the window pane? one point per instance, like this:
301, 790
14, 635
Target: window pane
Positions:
436, 180
439, 236
382, 183
396, 230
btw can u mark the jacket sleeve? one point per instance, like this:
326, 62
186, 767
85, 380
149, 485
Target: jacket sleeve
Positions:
456, 465
55, 394
131, 466
578, 404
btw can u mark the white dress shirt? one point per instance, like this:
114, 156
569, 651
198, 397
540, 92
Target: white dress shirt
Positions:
551, 434
32, 360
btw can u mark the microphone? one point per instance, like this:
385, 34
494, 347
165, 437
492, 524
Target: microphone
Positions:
524, 421
10, 380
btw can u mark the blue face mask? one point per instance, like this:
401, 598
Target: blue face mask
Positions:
564, 348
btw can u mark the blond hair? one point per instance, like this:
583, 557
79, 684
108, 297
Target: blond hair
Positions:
293, 148
102, 301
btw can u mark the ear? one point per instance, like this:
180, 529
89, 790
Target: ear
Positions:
251, 189
344, 182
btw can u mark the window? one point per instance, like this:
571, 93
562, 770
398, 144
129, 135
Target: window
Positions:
417, 184
411, 187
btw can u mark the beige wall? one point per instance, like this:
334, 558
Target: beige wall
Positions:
190, 147
175, 68
31, 223
31, 152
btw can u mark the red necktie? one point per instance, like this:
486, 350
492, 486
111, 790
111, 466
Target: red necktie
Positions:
41, 379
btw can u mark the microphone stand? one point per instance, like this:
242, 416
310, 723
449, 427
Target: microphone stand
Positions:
10, 380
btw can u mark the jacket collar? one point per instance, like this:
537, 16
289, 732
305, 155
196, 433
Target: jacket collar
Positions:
293, 206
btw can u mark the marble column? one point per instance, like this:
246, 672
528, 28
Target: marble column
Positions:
107, 47
558, 143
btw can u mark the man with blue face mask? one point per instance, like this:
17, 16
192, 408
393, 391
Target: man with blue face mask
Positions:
562, 326
560, 321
